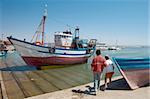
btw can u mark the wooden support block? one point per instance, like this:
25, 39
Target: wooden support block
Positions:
13, 91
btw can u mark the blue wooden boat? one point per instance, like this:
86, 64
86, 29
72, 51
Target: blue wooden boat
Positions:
134, 70
2, 53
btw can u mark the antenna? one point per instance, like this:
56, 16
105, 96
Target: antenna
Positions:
2, 36
77, 32
43, 23
45, 10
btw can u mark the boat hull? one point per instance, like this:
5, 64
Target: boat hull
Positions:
135, 71
137, 78
2, 53
45, 56
47, 61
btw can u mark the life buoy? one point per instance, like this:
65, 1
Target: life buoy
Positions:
88, 51
38, 43
51, 50
66, 44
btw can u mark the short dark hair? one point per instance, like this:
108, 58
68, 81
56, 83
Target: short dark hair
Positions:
106, 57
98, 52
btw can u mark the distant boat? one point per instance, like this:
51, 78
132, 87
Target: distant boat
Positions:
101, 46
104, 46
134, 70
68, 48
5, 46
2, 53
114, 48
3, 49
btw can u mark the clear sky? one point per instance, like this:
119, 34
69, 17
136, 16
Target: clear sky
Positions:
124, 21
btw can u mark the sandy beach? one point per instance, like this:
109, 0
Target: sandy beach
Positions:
119, 90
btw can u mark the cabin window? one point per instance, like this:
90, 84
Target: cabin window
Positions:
59, 37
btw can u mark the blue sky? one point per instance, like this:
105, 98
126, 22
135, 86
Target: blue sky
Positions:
125, 21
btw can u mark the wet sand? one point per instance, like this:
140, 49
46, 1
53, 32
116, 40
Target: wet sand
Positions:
118, 90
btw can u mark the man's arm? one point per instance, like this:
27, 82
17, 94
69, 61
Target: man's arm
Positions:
93, 64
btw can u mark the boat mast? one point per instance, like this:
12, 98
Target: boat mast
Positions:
77, 36
43, 23
77, 33
2, 37
39, 34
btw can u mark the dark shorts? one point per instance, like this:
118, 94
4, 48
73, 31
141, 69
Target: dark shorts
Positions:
109, 75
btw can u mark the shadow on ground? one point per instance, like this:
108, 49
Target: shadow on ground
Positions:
119, 84
19, 68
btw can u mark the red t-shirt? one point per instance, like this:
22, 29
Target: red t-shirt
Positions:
98, 64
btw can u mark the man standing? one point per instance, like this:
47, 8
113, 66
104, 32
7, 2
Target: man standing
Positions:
97, 66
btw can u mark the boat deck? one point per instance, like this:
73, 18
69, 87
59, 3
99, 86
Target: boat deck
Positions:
21, 81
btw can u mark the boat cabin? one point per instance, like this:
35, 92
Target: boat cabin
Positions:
63, 39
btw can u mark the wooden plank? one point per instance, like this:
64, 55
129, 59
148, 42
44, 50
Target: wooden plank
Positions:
62, 77
45, 85
56, 82
81, 69
3, 93
10, 64
12, 88
82, 75
83, 78
71, 76
1, 97
26, 84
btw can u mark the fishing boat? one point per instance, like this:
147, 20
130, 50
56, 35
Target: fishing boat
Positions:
134, 70
3, 49
68, 48
1, 54
101, 46
113, 48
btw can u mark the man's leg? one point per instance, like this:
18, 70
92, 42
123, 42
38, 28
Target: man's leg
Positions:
98, 86
109, 81
99, 78
105, 83
95, 80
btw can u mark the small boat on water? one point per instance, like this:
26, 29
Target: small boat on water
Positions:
68, 48
113, 48
134, 70
2, 53
101, 46
104, 46
3, 49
